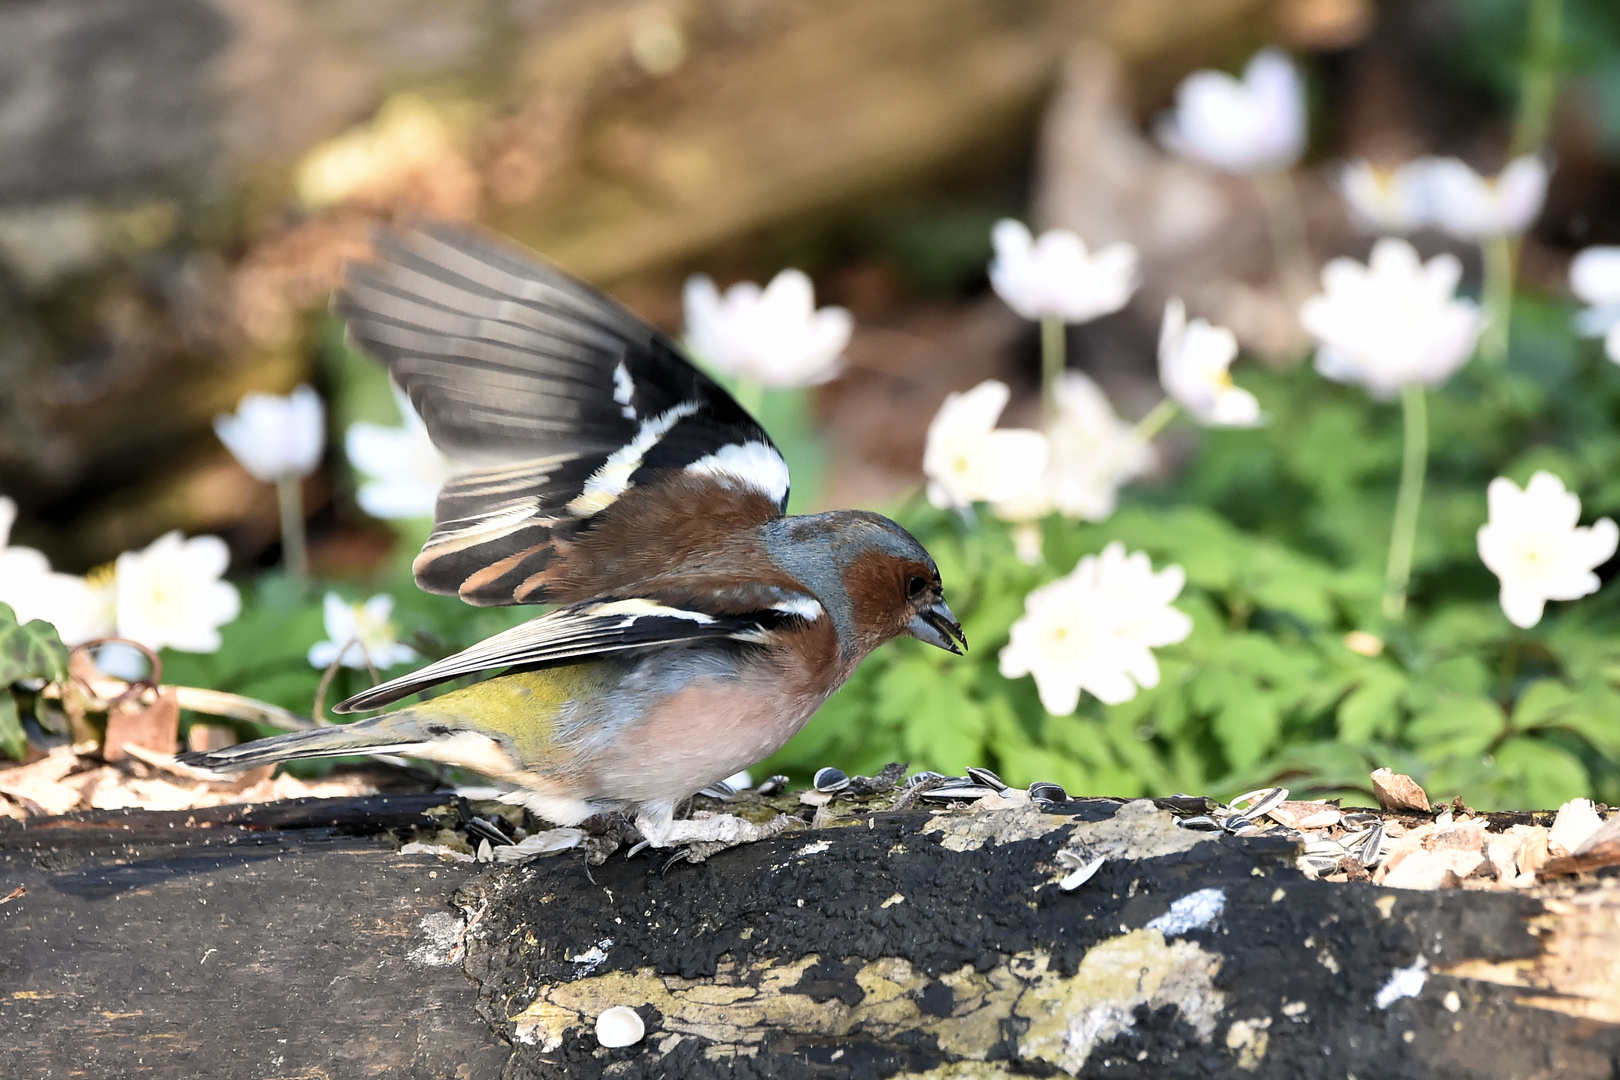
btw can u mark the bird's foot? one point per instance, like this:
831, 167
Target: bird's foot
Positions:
704, 833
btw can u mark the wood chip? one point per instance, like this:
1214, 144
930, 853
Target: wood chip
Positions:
1397, 791
1533, 853
1429, 869
1576, 820
40, 782
1607, 833
1600, 848
1303, 814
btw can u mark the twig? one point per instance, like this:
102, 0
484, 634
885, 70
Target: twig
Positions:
237, 707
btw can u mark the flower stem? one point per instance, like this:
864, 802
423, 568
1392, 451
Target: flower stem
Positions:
1538, 84
1154, 422
290, 497
1501, 257
750, 395
1403, 533
1053, 362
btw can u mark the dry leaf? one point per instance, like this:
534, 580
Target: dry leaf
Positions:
151, 727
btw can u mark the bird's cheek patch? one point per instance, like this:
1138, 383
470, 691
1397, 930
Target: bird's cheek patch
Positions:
875, 583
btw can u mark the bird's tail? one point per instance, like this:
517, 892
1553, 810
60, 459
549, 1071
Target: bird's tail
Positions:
395, 733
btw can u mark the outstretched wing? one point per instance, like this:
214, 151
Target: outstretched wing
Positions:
600, 626
558, 399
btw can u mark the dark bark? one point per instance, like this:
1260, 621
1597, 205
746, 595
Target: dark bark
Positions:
295, 941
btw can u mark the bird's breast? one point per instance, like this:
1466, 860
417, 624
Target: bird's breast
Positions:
717, 723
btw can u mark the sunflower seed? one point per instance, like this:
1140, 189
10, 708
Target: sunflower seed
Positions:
484, 829
1257, 804
718, 790
831, 780
1323, 854
1370, 851
1047, 791
772, 784
960, 791
1082, 873
917, 778
986, 778
1199, 823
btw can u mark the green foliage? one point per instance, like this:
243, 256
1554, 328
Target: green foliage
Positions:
1283, 531
1483, 46
30, 651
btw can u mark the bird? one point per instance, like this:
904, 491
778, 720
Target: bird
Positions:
694, 627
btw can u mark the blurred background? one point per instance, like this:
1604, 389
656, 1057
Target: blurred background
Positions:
182, 180
175, 202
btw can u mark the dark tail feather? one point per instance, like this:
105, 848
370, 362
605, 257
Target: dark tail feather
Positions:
384, 734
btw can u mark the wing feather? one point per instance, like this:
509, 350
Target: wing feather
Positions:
591, 629
558, 399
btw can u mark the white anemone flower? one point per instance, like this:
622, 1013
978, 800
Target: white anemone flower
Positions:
1250, 126
1056, 276
968, 459
1532, 542
360, 633
1093, 454
1386, 201
171, 595
1194, 363
78, 610
1469, 206
403, 470
773, 336
275, 437
1594, 278
16, 563
1393, 322
1096, 630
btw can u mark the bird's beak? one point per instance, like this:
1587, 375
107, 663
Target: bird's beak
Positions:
938, 627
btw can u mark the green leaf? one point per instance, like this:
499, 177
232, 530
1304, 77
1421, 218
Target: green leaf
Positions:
1545, 776
1283, 581
1541, 704
1245, 718
12, 739
1455, 725
1594, 715
947, 735
1372, 709
34, 651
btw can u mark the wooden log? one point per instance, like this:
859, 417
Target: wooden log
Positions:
282, 940
291, 942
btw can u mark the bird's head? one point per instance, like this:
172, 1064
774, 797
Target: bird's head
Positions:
877, 581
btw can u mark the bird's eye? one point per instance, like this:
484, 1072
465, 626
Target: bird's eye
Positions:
915, 586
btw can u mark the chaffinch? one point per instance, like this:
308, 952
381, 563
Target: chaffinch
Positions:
696, 627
